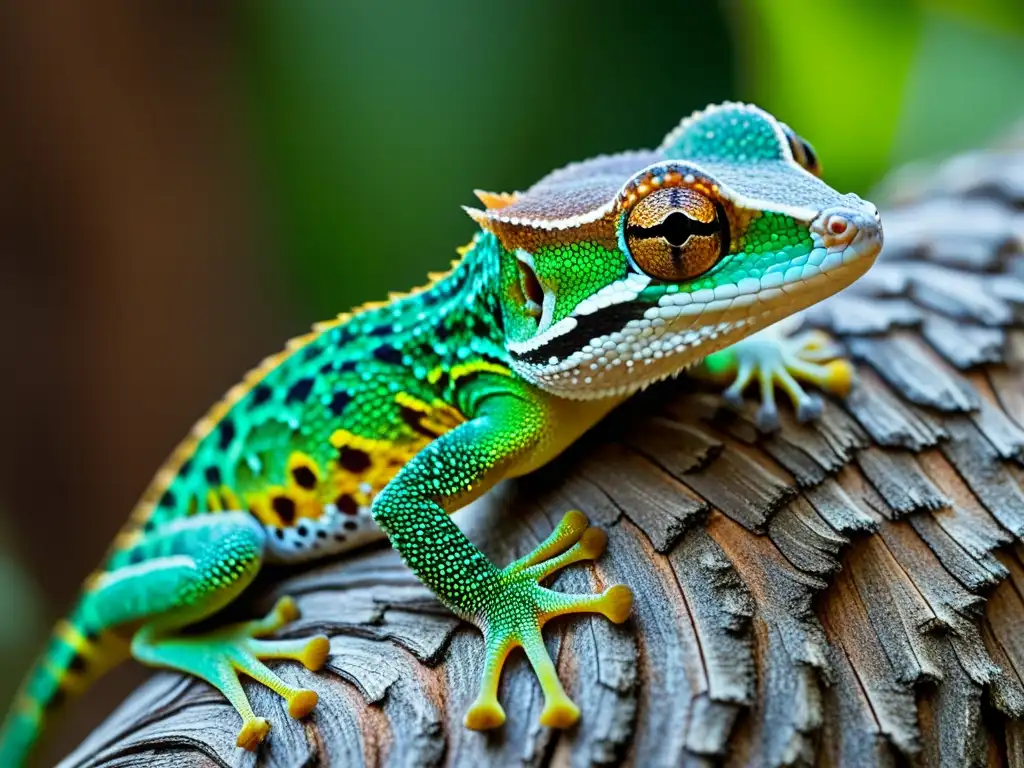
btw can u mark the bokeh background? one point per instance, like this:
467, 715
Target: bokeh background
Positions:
184, 185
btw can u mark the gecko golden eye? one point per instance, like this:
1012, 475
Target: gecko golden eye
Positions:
676, 234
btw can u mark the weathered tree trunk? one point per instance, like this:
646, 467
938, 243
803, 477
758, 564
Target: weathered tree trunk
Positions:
847, 592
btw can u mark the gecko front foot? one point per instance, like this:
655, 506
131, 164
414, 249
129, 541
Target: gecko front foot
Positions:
219, 656
517, 609
776, 358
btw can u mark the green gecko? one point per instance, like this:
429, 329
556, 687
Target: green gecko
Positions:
602, 278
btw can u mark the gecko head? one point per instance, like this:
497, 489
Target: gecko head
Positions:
629, 268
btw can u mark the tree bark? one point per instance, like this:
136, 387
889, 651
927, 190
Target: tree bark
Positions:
845, 592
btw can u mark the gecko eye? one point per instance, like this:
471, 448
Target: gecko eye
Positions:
676, 234
803, 152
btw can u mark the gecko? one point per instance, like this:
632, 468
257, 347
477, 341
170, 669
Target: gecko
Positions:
602, 278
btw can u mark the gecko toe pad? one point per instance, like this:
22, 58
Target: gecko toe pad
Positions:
485, 715
253, 733
286, 610
561, 713
314, 653
617, 603
301, 703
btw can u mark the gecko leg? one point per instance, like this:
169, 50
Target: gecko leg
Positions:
508, 604
775, 358
517, 621
190, 571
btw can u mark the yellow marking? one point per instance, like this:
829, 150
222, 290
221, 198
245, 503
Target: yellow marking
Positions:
230, 499
222, 499
93, 581
438, 416
128, 539
478, 366
71, 636
298, 460
213, 501
468, 369
70, 682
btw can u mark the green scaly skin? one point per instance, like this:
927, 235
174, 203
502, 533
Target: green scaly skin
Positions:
601, 279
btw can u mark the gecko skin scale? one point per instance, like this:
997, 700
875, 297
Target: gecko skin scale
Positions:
602, 278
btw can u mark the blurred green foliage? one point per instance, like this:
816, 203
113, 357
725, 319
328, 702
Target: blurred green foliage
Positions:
877, 83
375, 121
372, 122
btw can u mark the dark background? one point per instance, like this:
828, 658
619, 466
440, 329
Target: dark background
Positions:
184, 185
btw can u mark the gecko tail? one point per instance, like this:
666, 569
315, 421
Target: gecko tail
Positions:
75, 657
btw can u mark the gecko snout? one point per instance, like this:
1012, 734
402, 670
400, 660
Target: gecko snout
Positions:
840, 228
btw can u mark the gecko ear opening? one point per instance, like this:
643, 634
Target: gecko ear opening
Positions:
530, 286
533, 292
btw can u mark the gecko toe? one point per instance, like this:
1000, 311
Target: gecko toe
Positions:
253, 733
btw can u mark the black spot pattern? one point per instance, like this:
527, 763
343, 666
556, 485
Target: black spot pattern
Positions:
226, 433
299, 391
347, 505
304, 477
414, 419
388, 354
260, 394
285, 509
353, 459
339, 401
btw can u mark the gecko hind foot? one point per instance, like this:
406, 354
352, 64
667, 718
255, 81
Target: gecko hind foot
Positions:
221, 655
774, 358
519, 607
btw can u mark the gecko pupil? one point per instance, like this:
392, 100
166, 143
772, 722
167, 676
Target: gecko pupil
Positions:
676, 229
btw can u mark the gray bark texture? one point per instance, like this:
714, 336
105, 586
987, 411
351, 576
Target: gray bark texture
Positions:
845, 592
